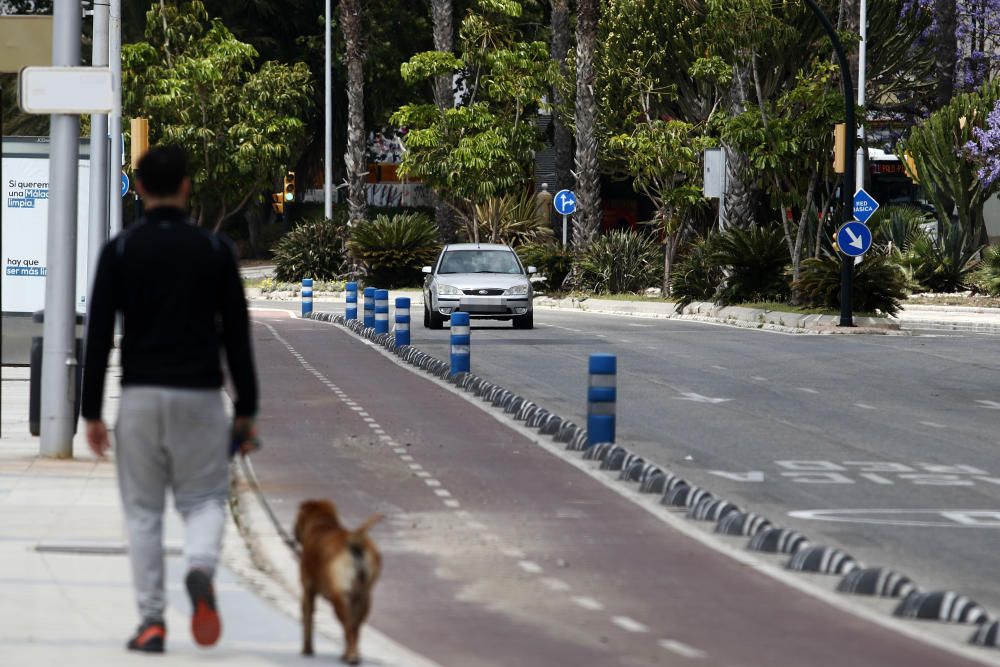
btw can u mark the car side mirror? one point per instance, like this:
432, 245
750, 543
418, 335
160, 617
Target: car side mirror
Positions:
532, 270
427, 269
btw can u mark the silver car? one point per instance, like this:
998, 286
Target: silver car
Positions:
484, 280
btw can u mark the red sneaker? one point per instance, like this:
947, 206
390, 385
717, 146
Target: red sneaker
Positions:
149, 638
205, 623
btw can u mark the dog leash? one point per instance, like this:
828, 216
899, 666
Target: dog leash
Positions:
251, 477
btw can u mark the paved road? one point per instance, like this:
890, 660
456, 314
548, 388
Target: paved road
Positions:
884, 446
498, 553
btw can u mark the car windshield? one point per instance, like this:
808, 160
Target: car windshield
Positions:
479, 261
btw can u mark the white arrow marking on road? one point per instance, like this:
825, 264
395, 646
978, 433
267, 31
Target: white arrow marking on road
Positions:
698, 398
751, 476
992, 405
855, 240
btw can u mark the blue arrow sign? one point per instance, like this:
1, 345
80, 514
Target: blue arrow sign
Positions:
124, 184
864, 206
854, 239
565, 202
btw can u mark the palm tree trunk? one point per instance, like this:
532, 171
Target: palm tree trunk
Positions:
354, 157
442, 14
562, 138
946, 49
587, 221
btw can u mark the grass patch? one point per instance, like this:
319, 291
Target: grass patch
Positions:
801, 310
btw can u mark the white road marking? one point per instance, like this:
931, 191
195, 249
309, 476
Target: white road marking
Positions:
924, 518
751, 476
432, 482
406, 457
758, 378
992, 405
416, 466
590, 604
511, 552
933, 424
442, 493
555, 584
698, 398
640, 325
626, 342
865, 406
630, 624
385, 438
422, 473
530, 567
682, 649
808, 390
369, 420
718, 367
451, 502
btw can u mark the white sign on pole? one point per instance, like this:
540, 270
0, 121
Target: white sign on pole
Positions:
65, 90
715, 173
25, 232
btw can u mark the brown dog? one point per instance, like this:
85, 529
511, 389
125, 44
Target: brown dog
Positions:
339, 564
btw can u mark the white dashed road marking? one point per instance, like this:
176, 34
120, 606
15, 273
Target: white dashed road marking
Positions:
555, 584
682, 649
530, 567
590, 604
808, 390
629, 624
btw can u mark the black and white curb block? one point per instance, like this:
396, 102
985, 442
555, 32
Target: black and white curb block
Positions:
683, 495
822, 560
746, 524
711, 509
941, 606
986, 635
777, 541
877, 581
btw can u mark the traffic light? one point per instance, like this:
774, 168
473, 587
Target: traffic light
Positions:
277, 204
289, 192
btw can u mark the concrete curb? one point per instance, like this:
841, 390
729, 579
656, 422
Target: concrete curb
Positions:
636, 472
733, 315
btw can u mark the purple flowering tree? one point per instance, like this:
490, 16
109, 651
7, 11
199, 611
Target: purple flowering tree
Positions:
984, 149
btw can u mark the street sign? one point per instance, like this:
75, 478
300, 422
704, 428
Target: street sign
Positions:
854, 239
864, 206
65, 90
124, 184
565, 202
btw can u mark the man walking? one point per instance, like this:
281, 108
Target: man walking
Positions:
179, 292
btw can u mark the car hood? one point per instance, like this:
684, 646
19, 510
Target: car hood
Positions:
465, 281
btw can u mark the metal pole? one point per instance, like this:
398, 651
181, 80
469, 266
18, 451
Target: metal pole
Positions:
58, 409
846, 263
564, 231
328, 136
115, 119
859, 170
99, 169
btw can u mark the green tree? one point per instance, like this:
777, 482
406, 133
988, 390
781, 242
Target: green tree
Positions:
241, 124
484, 146
587, 221
351, 20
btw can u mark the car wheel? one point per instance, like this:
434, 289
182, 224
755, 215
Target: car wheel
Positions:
436, 320
427, 317
525, 321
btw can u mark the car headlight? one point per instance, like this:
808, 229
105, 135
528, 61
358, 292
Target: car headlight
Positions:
448, 290
517, 290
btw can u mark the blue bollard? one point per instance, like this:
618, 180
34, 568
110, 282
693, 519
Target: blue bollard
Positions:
382, 311
460, 340
601, 398
402, 321
351, 310
369, 317
307, 296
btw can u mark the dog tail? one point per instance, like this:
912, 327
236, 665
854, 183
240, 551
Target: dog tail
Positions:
356, 544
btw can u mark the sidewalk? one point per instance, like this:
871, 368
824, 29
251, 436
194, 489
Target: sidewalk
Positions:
66, 581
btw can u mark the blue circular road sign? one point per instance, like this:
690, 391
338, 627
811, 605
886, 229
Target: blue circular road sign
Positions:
124, 184
854, 239
565, 202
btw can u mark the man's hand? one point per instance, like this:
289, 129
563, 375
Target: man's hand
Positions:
245, 431
97, 437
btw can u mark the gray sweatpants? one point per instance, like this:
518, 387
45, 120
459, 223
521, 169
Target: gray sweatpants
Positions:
173, 439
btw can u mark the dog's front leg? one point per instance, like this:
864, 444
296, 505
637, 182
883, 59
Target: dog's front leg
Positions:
308, 606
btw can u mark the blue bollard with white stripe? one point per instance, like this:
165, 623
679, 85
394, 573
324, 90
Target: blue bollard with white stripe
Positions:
369, 317
351, 310
382, 311
402, 321
307, 296
460, 340
602, 395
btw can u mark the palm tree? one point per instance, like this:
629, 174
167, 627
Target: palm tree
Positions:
587, 221
354, 157
442, 14
562, 137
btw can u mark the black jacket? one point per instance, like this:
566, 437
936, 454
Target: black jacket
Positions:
179, 291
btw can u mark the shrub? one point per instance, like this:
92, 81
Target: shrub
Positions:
622, 261
899, 226
513, 219
878, 284
945, 263
989, 274
393, 248
755, 261
314, 249
696, 277
553, 261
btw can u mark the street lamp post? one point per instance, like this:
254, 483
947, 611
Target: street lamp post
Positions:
846, 263
328, 119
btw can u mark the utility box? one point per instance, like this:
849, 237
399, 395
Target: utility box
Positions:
35, 382
715, 173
